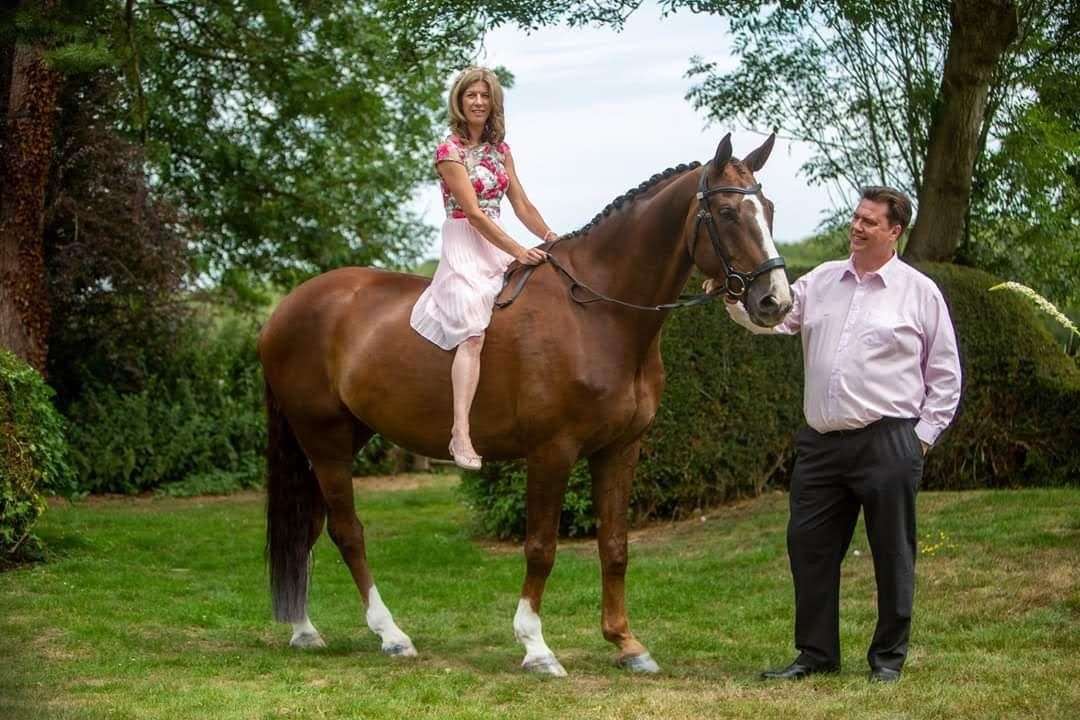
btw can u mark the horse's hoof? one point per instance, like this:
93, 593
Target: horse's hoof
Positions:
544, 665
399, 649
639, 663
307, 641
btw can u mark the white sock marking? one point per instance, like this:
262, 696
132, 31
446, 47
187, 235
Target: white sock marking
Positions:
382, 623
304, 627
528, 632
305, 635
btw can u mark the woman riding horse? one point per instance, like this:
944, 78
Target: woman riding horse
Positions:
562, 379
475, 167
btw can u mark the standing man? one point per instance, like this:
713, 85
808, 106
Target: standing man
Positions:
882, 383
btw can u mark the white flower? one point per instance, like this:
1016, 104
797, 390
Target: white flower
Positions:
1043, 304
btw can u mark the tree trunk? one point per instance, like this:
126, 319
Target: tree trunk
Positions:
981, 30
26, 150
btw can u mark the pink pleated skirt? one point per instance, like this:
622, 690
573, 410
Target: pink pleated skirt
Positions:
458, 303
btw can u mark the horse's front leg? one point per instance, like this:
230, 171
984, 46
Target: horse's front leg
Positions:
548, 470
612, 473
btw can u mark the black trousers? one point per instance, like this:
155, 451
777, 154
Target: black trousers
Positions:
876, 468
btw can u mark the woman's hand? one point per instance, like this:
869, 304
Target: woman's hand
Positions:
531, 256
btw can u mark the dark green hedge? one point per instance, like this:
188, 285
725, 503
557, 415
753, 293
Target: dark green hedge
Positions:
33, 456
733, 402
195, 426
1019, 419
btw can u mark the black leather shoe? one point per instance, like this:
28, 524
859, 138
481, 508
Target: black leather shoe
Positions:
884, 675
797, 671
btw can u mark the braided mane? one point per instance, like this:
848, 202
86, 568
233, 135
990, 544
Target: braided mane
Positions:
632, 194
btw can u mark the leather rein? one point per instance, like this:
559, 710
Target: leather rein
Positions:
735, 285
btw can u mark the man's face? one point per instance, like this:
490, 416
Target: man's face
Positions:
872, 235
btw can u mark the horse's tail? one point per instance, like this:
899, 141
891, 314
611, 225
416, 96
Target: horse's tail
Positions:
293, 505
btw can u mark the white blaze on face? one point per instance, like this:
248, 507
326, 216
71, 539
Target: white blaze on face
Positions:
778, 284
527, 631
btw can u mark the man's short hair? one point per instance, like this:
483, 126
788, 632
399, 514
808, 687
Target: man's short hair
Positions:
899, 203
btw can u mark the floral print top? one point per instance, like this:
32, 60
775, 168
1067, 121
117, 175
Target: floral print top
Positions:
484, 164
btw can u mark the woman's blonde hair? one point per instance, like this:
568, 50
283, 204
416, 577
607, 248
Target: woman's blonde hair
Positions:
495, 127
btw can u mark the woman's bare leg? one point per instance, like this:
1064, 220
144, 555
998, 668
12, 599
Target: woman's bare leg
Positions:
464, 376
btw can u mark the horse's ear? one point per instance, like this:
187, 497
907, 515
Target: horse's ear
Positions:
723, 152
756, 160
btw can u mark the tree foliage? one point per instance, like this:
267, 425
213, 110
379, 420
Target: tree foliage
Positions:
861, 83
115, 256
291, 134
1026, 214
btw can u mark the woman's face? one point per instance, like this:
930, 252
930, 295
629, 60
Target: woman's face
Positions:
476, 103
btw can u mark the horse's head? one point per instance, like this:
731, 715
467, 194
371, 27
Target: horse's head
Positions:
730, 234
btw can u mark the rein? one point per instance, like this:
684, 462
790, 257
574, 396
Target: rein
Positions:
528, 270
689, 301
735, 285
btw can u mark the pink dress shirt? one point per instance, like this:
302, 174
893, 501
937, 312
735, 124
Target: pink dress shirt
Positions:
873, 347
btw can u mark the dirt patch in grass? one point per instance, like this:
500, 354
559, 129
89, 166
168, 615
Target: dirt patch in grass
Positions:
400, 483
1053, 577
49, 644
377, 483
1044, 578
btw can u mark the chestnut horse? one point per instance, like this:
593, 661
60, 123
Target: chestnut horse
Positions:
560, 380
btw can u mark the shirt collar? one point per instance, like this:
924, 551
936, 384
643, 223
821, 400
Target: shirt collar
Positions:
886, 272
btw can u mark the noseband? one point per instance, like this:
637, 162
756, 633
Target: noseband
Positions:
735, 283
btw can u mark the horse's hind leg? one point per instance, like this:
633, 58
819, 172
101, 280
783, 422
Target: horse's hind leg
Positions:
548, 470
331, 454
612, 473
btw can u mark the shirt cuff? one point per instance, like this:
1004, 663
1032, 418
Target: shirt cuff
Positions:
927, 432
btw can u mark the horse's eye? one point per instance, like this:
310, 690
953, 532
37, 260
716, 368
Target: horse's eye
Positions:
728, 214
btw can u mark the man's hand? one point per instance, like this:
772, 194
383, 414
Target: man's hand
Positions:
712, 286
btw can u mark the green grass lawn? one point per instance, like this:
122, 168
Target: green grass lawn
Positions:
158, 609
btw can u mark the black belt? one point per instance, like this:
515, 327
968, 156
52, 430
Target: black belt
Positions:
855, 431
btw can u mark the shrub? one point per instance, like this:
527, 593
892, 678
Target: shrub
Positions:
1021, 393
33, 455
733, 402
378, 457
195, 426
496, 497
203, 418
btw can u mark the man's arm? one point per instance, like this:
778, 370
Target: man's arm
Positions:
941, 372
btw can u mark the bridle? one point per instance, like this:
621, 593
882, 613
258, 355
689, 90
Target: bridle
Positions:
735, 283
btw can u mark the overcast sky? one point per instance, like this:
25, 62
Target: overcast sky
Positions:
594, 112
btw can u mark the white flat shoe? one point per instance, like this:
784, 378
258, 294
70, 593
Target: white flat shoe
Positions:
465, 462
